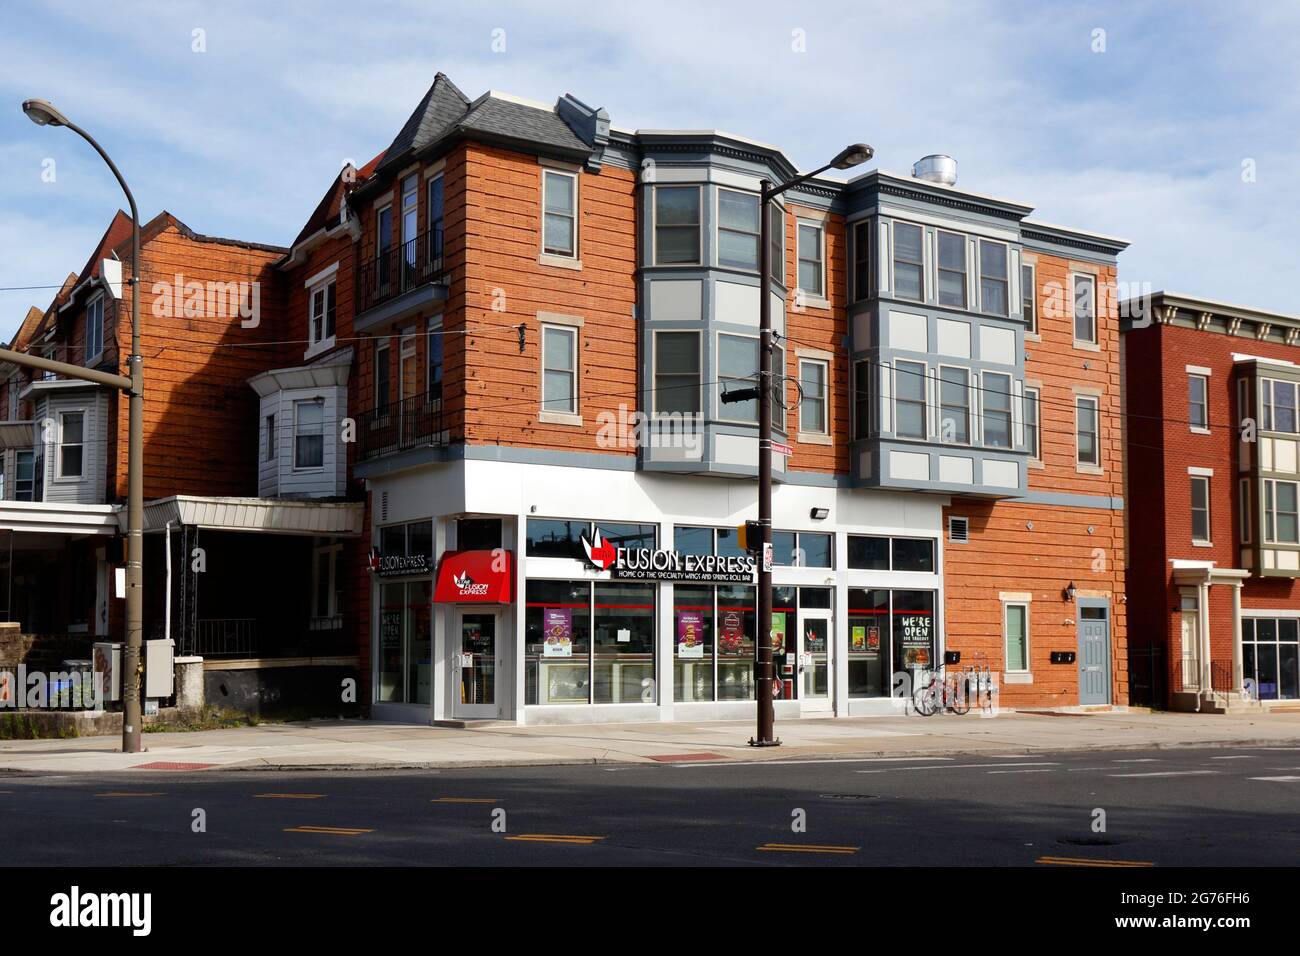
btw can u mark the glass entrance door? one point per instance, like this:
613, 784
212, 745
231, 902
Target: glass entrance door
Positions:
474, 664
814, 660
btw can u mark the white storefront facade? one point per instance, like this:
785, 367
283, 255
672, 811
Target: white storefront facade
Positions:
485, 604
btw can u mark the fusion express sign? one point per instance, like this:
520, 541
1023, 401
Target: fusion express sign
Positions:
656, 564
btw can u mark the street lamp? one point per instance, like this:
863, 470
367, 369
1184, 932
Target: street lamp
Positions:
848, 157
43, 113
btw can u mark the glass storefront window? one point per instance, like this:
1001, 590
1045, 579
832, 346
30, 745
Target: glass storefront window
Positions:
419, 538
737, 617
557, 642
815, 597
804, 549
729, 542
392, 539
693, 633
692, 540
785, 638
868, 651
548, 538
478, 534
1270, 657
624, 643
405, 654
622, 535
868, 553
913, 554
913, 630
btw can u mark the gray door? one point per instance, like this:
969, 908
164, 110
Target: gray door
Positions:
1094, 654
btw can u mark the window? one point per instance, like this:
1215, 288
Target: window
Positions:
309, 433
909, 281
954, 405
737, 229
861, 399
435, 217
1033, 436
478, 534
559, 369
25, 476
1085, 308
802, 549
325, 598
1281, 522
909, 401
1270, 658
71, 443
1243, 509
811, 249
861, 260
996, 421
1087, 451
384, 243
550, 538
94, 329
1200, 509
677, 372
1279, 406
776, 240
322, 313
268, 453
1016, 632
560, 214
677, 225
434, 373
872, 553
383, 375
993, 277
1029, 298
952, 269
812, 406
1198, 415
737, 368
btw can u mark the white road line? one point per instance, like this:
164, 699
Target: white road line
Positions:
1237, 757
1139, 760
1168, 773
1021, 771
1082, 769
1278, 779
960, 766
900, 759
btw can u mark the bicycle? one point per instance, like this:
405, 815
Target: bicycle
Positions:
943, 692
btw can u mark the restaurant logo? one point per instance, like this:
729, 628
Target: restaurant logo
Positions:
467, 586
390, 565
658, 564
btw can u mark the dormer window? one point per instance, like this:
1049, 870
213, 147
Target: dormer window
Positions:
322, 312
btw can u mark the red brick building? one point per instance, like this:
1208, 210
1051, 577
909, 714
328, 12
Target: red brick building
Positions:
1210, 393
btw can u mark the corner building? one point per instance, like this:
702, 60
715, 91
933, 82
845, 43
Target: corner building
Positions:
548, 310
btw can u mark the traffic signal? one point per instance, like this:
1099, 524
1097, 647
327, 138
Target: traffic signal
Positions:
750, 534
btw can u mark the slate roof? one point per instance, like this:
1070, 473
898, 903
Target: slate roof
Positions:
500, 117
442, 107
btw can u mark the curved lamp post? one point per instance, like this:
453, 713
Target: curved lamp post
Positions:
43, 113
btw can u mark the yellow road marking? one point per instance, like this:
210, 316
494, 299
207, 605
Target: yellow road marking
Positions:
336, 831
465, 800
1076, 861
289, 796
805, 848
129, 793
556, 838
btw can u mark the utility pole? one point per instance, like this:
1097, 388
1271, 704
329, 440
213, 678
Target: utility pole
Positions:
765, 677
43, 113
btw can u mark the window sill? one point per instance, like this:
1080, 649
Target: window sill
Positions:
1034, 463
812, 302
1202, 544
805, 438
1087, 346
324, 345
1089, 470
1033, 337
559, 418
561, 262
1197, 430
1017, 677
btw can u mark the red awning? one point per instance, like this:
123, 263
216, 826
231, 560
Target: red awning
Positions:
475, 577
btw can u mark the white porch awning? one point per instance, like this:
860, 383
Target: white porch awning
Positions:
274, 515
53, 518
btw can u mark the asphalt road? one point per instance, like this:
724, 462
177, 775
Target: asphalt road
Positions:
1189, 807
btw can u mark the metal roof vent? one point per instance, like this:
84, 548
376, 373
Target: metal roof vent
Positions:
936, 168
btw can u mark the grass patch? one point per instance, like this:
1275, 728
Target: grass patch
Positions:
209, 718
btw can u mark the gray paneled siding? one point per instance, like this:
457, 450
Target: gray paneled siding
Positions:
89, 487
277, 477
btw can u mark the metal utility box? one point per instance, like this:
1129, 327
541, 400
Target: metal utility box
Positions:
159, 668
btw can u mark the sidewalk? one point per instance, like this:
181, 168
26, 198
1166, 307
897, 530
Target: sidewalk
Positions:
363, 745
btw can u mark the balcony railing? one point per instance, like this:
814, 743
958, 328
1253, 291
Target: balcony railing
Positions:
399, 269
411, 423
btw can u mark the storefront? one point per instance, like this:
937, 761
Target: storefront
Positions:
650, 613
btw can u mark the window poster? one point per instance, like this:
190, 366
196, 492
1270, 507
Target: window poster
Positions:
557, 624
858, 638
690, 634
732, 640
915, 633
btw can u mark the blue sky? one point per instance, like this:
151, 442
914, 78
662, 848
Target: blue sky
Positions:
1144, 140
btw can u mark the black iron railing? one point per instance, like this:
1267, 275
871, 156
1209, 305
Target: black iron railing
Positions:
397, 426
400, 269
228, 638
